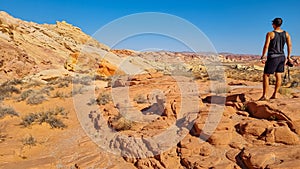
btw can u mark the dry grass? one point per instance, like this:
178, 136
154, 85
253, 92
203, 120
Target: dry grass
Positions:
247, 75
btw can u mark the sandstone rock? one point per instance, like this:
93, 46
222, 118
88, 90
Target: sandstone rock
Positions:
282, 134
243, 113
169, 159
50, 44
271, 157
232, 154
108, 69
123, 52
253, 127
281, 109
71, 62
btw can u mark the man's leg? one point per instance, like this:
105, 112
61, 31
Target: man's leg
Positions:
277, 85
265, 86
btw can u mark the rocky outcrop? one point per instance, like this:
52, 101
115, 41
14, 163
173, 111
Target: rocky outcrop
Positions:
283, 157
280, 109
27, 47
71, 62
124, 52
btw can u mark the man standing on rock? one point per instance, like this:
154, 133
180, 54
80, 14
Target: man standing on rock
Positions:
275, 60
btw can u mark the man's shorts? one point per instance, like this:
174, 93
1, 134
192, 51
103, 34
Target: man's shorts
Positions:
274, 65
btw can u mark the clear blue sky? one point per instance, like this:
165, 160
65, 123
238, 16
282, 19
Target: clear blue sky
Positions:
237, 26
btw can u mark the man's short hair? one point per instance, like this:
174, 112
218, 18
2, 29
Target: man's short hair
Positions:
277, 22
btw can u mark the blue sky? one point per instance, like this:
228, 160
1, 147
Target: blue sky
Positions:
237, 26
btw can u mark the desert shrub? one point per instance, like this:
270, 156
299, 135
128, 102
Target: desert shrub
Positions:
12, 82
7, 111
220, 89
120, 123
103, 99
63, 84
29, 119
33, 84
285, 91
7, 90
36, 99
273, 118
77, 90
46, 90
92, 101
59, 94
55, 122
61, 111
86, 80
140, 99
29, 141
50, 117
24, 95
57, 81
244, 108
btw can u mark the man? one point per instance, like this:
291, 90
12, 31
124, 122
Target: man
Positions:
275, 60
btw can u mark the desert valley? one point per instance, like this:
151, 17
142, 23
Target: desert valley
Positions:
69, 101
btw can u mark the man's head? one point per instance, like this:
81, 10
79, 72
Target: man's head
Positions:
277, 22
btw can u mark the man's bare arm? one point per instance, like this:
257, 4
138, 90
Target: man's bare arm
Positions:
289, 45
267, 43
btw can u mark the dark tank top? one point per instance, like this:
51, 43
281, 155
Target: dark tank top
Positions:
277, 45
